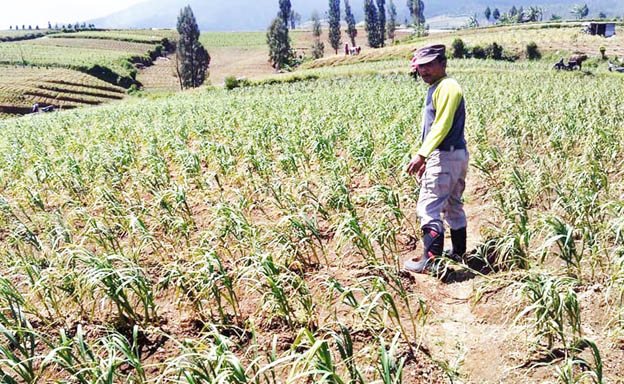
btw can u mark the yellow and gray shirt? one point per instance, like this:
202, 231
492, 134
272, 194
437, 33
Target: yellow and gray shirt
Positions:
444, 117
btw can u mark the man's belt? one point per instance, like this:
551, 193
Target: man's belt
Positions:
451, 148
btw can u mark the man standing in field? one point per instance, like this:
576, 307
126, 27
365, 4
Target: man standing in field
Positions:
442, 160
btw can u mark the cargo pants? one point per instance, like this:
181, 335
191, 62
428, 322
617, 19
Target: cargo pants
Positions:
441, 189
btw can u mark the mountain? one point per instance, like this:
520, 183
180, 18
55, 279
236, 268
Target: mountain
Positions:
245, 15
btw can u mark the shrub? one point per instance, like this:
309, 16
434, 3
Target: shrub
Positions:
459, 48
532, 52
494, 51
478, 52
232, 82
603, 52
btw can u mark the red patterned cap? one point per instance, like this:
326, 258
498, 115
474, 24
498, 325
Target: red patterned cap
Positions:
427, 54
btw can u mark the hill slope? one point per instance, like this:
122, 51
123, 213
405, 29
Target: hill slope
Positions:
255, 15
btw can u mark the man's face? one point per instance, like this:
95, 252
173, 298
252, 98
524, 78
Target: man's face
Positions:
432, 71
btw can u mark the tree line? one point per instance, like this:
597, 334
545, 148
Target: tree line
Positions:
57, 27
380, 21
530, 14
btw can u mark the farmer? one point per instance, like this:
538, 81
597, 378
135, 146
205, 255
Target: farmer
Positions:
442, 160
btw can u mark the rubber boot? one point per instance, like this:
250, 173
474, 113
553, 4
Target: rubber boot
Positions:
458, 238
433, 242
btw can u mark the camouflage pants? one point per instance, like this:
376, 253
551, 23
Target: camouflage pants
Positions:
441, 189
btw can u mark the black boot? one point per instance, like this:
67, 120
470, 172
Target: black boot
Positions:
458, 238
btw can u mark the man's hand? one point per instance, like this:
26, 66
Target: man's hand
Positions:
417, 165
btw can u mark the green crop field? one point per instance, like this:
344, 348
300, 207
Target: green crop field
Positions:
64, 57
139, 36
256, 235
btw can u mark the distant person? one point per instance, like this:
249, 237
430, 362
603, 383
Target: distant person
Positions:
441, 162
346, 48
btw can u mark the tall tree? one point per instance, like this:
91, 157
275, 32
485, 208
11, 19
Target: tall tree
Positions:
513, 11
333, 16
350, 20
284, 10
487, 13
318, 48
496, 14
371, 20
280, 54
294, 19
417, 11
392, 15
381, 24
193, 59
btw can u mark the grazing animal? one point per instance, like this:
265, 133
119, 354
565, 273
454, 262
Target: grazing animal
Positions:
577, 60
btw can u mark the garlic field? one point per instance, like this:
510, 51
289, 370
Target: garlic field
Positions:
257, 235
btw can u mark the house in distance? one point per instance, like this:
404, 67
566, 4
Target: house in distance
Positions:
602, 29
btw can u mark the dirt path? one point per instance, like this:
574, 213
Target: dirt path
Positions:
473, 340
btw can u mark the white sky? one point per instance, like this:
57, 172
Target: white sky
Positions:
33, 12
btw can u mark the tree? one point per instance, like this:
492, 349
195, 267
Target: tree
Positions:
284, 12
534, 13
513, 11
487, 13
381, 22
392, 15
602, 15
10, 27
580, 11
280, 54
295, 18
333, 16
417, 11
350, 20
192, 58
473, 21
49, 25
371, 20
318, 48
520, 17
496, 14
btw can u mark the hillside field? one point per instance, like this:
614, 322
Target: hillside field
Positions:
92, 61
257, 235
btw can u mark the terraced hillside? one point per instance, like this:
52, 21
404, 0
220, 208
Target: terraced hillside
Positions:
21, 88
86, 68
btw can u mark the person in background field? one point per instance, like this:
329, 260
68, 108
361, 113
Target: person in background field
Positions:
441, 162
346, 48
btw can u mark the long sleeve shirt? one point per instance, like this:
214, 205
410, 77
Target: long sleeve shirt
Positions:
444, 117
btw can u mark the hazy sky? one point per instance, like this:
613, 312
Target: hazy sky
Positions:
33, 12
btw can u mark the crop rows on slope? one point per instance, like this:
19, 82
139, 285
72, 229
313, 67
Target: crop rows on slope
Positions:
137, 36
261, 230
107, 45
20, 88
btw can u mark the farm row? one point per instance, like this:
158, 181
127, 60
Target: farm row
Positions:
256, 235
